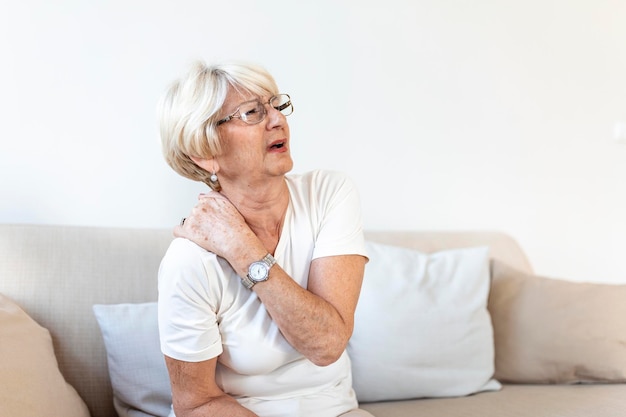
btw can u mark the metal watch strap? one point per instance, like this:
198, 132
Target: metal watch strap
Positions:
247, 282
267, 260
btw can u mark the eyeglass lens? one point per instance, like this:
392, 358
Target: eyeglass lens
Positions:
254, 111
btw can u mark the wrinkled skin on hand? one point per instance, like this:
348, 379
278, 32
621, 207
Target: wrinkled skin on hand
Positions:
217, 226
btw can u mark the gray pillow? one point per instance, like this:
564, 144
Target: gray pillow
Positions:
141, 386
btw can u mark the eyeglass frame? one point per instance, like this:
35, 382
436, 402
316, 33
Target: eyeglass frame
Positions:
234, 115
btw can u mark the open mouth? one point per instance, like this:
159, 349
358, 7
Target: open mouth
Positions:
277, 145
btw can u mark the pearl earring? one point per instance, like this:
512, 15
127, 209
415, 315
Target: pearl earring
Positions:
213, 177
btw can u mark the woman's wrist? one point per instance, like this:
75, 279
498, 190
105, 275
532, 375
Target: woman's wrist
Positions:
246, 255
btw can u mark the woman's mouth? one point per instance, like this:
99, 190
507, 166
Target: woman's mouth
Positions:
278, 145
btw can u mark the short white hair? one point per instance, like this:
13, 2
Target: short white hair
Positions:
189, 110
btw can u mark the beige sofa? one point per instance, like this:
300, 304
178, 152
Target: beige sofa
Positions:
57, 273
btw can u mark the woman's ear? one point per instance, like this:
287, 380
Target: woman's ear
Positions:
209, 165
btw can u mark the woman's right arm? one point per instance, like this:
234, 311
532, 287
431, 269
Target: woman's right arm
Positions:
189, 332
195, 393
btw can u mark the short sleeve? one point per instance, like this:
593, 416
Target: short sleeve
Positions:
188, 300
340, 223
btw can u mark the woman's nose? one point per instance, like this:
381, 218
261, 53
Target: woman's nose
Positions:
274, 117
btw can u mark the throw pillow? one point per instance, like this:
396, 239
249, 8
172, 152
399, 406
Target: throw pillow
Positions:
556, 331
422, 328
32, 384
141, 385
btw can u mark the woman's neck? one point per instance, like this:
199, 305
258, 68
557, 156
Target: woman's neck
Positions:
263, 208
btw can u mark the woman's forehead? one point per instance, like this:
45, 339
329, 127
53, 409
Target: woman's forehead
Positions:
236, 96
240, 95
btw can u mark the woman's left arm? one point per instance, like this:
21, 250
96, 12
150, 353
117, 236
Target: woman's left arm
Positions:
317, 321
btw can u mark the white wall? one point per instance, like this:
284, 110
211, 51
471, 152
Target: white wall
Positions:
449, 114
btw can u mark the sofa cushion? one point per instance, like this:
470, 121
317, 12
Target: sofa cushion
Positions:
556, 331
516, 400
139, 377
422, 328
30, 381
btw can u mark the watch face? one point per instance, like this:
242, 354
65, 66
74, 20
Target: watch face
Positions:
258, 271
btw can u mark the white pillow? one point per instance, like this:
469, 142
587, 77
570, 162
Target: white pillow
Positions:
422, 326
141, 385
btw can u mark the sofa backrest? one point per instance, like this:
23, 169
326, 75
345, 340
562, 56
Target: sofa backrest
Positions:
57, 273
501, 246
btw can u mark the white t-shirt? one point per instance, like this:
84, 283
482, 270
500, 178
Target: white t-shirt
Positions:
205, 311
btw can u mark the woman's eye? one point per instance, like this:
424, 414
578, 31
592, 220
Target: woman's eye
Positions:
282, 107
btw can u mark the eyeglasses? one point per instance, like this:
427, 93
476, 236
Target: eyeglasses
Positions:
253, 111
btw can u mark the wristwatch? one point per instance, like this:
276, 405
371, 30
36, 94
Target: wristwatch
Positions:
258, 271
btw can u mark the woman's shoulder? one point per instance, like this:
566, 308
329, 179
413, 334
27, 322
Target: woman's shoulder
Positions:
188, 265
321, 188
319, 177
184, 251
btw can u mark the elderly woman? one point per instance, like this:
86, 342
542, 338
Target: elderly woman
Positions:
258, 291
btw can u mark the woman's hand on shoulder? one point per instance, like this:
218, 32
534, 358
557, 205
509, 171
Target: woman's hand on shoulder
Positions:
217, 226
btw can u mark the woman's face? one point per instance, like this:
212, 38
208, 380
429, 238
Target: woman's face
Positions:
252, 153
